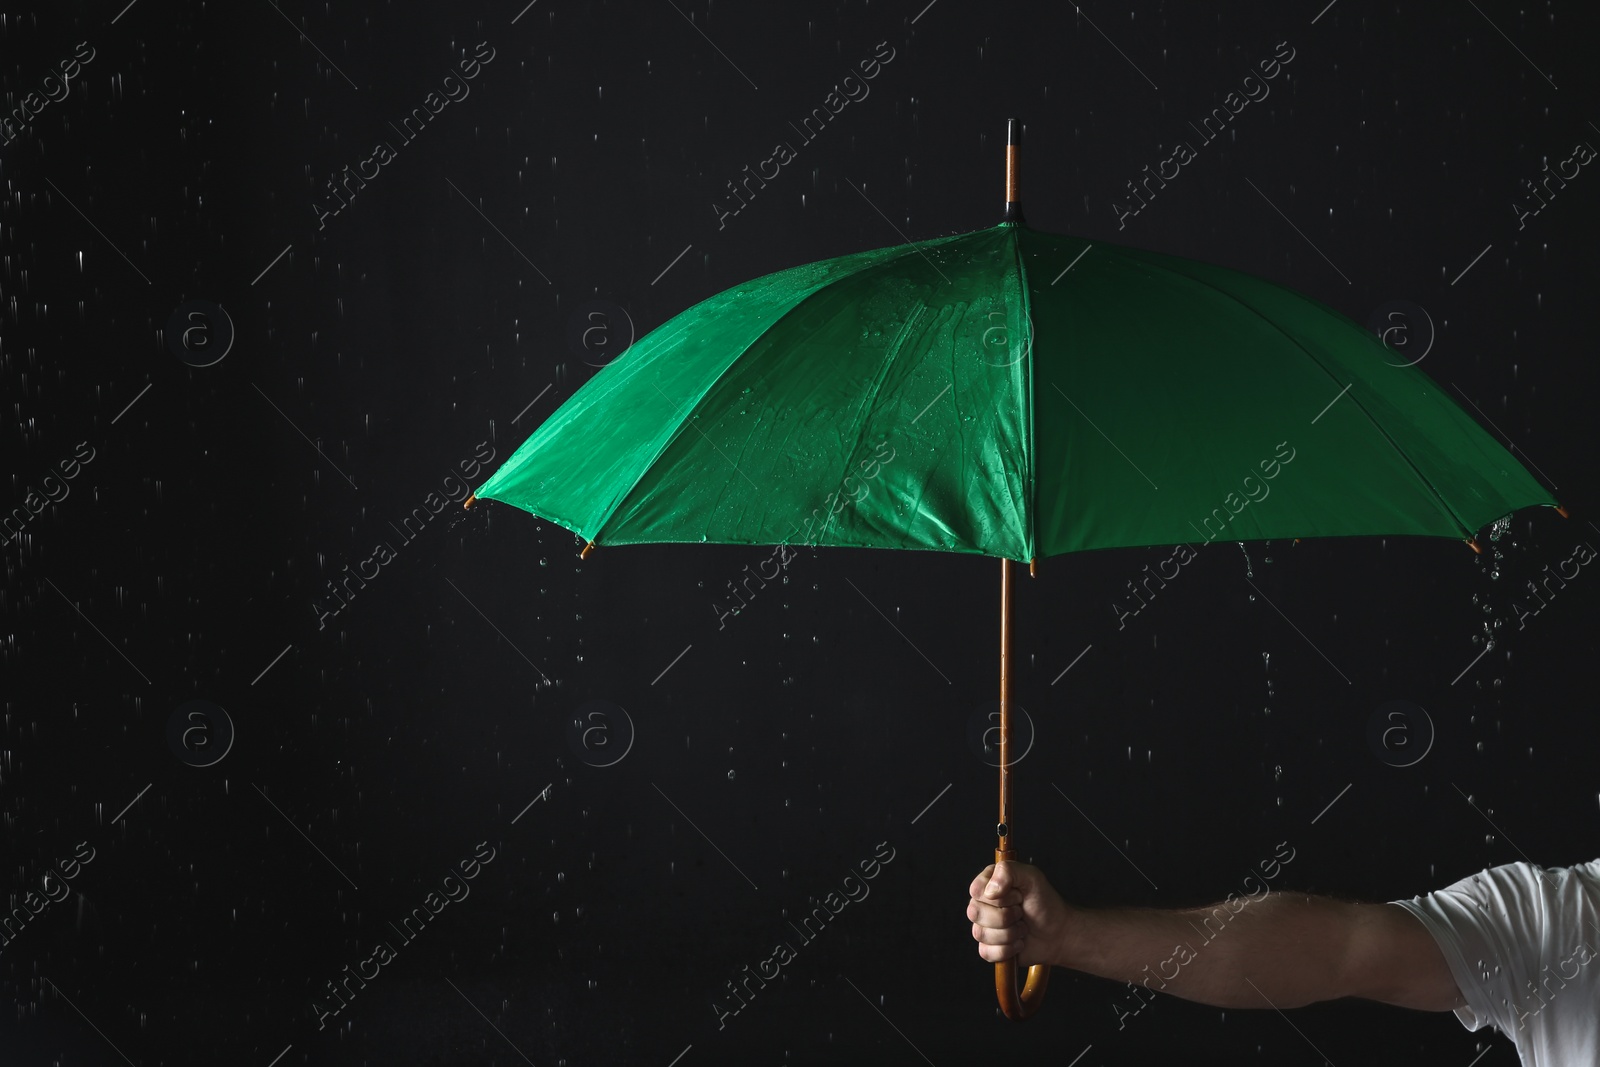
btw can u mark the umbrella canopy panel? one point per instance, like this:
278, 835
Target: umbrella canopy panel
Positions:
1178, 400
945, 395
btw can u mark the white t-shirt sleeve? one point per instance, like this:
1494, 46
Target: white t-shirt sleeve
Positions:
1519, 940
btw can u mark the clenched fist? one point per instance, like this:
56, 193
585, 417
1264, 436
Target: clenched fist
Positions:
1015, 913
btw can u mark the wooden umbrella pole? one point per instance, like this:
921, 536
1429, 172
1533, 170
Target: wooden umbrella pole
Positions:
1016, 1005
1003, 830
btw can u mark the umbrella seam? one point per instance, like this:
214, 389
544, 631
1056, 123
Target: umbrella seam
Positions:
891, 353
1421, 477
1030, 487
765, 330
683, 423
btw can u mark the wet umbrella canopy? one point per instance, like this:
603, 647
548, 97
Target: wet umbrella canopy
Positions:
303, 765
1021, 385
1001, 398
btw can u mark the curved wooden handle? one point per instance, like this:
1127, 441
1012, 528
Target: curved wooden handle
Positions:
1019, 1005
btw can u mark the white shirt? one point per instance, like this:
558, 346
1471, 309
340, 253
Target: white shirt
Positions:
1523, 943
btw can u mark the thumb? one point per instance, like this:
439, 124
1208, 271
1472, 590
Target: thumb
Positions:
999, 882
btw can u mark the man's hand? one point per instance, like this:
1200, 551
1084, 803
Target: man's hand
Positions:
1015, 913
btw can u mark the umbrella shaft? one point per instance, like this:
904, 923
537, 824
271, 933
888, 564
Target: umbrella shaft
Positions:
1003, 829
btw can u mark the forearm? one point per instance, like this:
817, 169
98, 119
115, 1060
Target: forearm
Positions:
1275, 950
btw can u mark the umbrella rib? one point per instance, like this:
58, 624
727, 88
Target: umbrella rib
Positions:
690, 422
890, 355
1355, 399
678, 430
868, 264
892, 352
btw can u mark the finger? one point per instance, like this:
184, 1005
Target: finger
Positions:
1009, 899
997, 953
999, 881
999, 893
994, 916
976, 888
1010, 935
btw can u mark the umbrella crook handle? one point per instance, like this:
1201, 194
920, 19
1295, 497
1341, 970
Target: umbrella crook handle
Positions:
1019, 1005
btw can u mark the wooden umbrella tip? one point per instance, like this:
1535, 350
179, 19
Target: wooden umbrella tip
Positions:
1562, 512
1013, 198
468, 502
585, 553
1473, 544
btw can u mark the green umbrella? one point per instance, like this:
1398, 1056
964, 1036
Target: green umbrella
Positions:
1016, 394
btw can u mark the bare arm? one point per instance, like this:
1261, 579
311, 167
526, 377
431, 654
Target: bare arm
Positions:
1282, 949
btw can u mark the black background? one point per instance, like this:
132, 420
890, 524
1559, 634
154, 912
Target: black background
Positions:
779, 751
